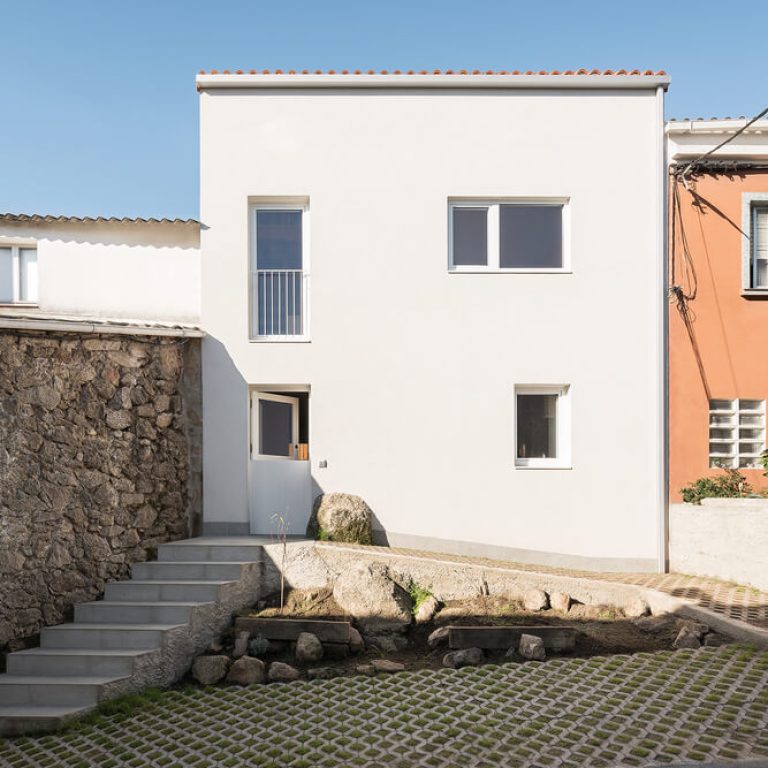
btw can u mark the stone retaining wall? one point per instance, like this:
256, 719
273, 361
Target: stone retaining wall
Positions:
723, 538
99, 463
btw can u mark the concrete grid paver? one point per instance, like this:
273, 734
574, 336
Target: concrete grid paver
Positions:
645, 709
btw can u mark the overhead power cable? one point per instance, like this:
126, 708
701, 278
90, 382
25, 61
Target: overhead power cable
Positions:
741, 130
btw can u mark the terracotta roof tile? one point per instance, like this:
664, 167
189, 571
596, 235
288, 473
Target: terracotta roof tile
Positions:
577, 72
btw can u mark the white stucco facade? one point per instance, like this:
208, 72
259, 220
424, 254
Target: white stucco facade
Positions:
138, 270
412, 369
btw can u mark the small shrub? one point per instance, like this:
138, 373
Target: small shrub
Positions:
322, 535
731, 485
418, 594
764, 462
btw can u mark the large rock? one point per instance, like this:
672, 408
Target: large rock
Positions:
531, 647
560, 601
535, 600
341, 517
282, 673
438, 637
467, 657
247, 671
308, 648
367, 592
208, 670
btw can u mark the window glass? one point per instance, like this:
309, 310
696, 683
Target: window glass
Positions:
470, 236
278, 239
530, 236
536, 426
28, 275
275, 428
6, 275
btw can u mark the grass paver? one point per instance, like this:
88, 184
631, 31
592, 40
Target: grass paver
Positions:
620, 710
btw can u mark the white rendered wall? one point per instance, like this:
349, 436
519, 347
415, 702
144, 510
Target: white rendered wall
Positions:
115, 271
412, 369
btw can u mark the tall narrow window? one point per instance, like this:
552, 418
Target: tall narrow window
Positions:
759, 265
18, 275
542, 427
278, 273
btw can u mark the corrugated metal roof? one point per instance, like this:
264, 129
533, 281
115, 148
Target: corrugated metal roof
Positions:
40, 218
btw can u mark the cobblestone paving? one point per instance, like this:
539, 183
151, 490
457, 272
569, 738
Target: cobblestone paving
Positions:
645, 709
732, 600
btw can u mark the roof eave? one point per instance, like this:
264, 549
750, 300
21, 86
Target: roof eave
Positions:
212, 82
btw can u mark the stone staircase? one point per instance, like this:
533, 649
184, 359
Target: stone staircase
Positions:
145, 631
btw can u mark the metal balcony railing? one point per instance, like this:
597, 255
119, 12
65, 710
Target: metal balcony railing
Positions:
279, 301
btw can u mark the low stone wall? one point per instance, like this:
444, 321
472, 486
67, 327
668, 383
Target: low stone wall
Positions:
723, 538
99, 463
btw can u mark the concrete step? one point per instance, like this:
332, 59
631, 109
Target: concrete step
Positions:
187, 571
198, 550
124, 612
61, 662
16, 720
45, 691
155, 590
124, 637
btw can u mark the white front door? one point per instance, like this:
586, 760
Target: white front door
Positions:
280, 480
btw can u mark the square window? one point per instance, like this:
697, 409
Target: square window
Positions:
736, 433
498, 236
542, 427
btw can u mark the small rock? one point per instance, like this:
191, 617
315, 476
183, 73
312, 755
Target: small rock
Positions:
713, 640
308, 648
438, 637
687, 638
560, 601
512, 654
467, 657
365, 669
216, 647
637, 608
655, 624
208, 670
258, 646
356, 642
323, 673
387, 643
697, 628
535, 600
427, 610
385, 665
335, 651
282, 673
241, 644
247, 671
531, 647
119, 419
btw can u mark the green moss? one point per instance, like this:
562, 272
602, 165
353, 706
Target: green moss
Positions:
419, 595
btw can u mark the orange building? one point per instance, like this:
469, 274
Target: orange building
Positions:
718, 312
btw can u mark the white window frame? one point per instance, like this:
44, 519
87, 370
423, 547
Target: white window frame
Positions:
493, 238
288, 205
563, 426
750, 202
256, 395
731, 456
16, 247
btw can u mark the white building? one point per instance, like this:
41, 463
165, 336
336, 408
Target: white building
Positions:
444, 293
122, 273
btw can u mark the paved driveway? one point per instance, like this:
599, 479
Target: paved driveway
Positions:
671, 707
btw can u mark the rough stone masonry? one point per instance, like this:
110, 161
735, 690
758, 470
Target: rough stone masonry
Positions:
99, 463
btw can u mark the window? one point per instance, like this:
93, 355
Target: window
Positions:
18, 275
279, 272
507, 236
736, 433
542, 429
759, 237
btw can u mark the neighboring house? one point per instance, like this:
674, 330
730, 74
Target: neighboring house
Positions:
718, 315
470, 332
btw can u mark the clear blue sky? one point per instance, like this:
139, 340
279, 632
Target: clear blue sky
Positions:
99, 111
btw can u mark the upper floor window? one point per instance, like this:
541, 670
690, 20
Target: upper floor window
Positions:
503, 236
18, 274
759, 238
279, 276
